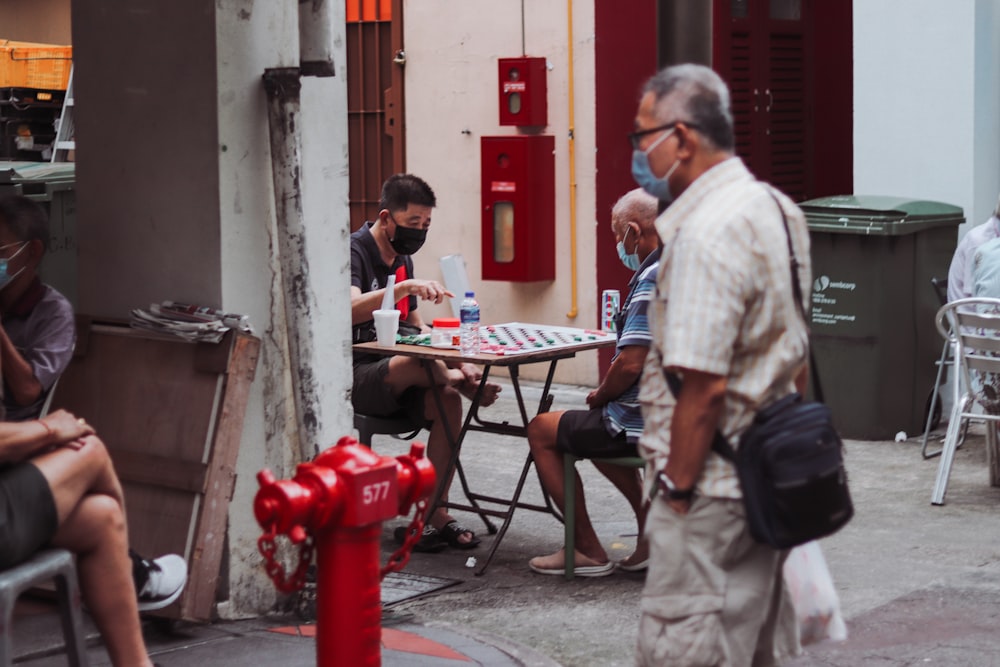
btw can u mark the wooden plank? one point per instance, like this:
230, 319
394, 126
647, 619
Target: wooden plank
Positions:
152, 470
206, 554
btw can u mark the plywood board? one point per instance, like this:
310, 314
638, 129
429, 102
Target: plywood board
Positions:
171, 414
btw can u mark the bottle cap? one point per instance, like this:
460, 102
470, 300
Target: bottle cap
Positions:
470, 294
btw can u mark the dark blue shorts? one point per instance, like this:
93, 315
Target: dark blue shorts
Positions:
28, 517
583, 433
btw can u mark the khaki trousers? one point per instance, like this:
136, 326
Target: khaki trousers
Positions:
713, 597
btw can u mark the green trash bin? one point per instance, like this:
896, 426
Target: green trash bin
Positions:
873, 307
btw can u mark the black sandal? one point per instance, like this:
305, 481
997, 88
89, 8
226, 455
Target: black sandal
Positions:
430, 541
452, 531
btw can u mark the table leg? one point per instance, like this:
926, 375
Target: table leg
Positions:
543, 406
455, 445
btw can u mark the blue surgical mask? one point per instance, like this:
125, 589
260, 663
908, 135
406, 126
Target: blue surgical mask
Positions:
644, 176
5, 276
630, 260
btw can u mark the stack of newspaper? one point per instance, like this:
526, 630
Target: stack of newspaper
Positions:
190, 322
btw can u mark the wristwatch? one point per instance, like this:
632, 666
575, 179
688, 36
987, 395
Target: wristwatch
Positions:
665, 485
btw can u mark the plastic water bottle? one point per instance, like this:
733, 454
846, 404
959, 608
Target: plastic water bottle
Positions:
470, 324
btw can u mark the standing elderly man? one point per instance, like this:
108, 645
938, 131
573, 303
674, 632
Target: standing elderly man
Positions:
725, 322
612, 425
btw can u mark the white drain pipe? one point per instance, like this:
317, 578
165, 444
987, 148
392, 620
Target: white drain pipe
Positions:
316, 34
284, 123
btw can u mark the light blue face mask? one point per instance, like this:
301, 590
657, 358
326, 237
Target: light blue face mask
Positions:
644, 176
630, 260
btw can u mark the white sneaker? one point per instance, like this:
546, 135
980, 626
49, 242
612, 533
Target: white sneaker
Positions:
159, 581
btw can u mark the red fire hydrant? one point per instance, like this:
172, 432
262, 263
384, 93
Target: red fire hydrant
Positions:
337, 504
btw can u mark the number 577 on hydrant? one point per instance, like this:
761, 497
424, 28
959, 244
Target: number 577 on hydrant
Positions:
336, 504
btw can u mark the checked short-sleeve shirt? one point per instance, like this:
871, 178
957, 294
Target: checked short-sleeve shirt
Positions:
724, 306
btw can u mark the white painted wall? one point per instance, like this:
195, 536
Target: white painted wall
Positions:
926, 90
252, 37
452, 48
987, 113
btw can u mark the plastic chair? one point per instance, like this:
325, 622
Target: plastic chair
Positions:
57, 564
974, 327
398, 425
569, 494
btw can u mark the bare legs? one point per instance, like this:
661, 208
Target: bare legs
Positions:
406, 372
542, 433
91, 513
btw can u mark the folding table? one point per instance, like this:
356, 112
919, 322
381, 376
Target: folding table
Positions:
585, 340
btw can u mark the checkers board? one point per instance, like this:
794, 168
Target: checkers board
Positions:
513, 338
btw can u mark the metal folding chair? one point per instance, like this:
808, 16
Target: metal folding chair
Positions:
934, 409
47, 565
973, 325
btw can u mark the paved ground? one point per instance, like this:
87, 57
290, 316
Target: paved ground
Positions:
918, 584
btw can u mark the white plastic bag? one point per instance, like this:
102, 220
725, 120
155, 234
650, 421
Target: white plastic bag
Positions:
817, 607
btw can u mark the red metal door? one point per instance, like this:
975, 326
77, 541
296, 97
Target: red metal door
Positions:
376, 129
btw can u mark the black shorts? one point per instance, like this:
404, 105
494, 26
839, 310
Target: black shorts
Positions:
372, 396
28, 517
583, 433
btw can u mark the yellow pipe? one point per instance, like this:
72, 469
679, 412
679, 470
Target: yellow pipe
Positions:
573, 311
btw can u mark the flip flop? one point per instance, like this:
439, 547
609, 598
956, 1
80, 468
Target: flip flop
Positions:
601, 570
430, 541
634, 567
451, 531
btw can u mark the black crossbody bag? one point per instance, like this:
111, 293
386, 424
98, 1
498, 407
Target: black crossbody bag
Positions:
790, 461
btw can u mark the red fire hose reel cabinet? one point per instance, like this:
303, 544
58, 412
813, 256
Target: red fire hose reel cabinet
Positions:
518, 199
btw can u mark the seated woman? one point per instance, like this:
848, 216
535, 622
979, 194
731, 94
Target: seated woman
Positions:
58, 488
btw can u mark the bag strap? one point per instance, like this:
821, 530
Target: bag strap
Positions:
797, 295
720, 445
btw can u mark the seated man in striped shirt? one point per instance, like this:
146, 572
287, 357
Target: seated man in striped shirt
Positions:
613, 424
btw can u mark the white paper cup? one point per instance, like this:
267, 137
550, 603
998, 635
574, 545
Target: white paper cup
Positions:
386, 326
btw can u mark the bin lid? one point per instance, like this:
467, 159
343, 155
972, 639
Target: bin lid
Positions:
878, 214
36, 180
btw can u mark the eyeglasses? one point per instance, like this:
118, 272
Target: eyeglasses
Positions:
636, 137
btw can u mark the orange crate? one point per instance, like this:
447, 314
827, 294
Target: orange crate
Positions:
30, 65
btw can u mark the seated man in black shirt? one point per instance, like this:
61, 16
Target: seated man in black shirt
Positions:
389, 385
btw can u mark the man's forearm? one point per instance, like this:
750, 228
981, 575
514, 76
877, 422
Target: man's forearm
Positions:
624, 371
693, 427
18, 374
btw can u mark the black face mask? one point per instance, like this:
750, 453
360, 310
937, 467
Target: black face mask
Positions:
407, 240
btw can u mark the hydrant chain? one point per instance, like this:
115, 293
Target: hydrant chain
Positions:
274, 569
401, 556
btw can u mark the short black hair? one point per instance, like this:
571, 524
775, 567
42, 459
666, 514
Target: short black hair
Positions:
401, 190
25, 219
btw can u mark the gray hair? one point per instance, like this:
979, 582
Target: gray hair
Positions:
702, 98
636, 205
